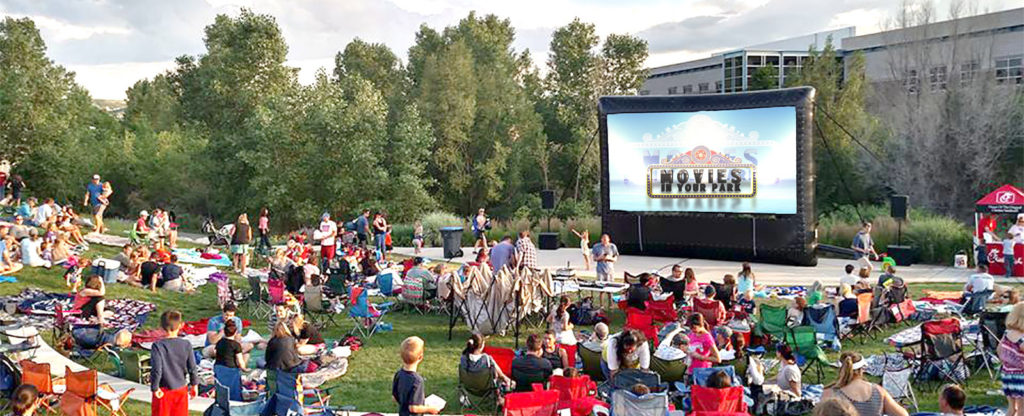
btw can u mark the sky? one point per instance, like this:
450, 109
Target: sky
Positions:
110, 44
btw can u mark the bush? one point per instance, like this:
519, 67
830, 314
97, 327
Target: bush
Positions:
433, 222
935, 238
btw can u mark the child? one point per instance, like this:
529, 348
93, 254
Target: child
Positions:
73, 276
417, 237
407, 387
755, 373
584, 245
25, 400
171, 360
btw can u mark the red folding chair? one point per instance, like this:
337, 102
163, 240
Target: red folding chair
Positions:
533, 403
707, 401
570, 353
503, 357
642, 321
711, 309
664, 311
576, 394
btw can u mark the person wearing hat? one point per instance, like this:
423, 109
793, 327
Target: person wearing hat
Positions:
140, 231
868, 398
94, 198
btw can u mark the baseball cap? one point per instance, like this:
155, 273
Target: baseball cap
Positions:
96, 176
143, 213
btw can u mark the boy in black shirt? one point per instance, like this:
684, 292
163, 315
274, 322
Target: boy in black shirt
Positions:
531, 367
407, 386
228, 351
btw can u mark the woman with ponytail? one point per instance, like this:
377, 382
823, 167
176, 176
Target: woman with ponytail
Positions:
558, 322
868, 398
474, 360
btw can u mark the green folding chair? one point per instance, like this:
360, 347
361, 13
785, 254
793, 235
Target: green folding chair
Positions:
671, 371
591, 362
772, 321
477, 391
804, 341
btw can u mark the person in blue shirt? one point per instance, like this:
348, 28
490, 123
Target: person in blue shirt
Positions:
94, 199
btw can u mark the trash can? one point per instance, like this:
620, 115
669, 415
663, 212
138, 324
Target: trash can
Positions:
451, 240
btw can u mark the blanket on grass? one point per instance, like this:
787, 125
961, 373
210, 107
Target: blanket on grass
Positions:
187, 255
127, 313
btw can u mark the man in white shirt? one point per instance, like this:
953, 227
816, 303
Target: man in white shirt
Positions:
44, 214
326, 233
980, 281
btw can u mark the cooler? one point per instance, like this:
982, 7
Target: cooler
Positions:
106, 268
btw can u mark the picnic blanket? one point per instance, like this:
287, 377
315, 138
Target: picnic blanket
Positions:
912, 335
188, 255
198, 327
127, 313
106, 239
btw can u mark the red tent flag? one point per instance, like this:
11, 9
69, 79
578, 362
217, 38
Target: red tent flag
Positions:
1005, 200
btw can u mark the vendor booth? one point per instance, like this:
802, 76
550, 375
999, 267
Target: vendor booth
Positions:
1006, 205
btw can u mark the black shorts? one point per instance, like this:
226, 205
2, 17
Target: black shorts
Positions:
362, 237
479, 234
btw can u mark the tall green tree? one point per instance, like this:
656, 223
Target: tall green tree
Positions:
373, 62
623, 58
764, 78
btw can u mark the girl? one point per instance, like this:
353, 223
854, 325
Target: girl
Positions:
263, 226
474, 360
703, 350
691, 283
788, 379
868, 398
240, 243
745, 279
90, 300
584, 245
1011, 354
417, 237
558, 322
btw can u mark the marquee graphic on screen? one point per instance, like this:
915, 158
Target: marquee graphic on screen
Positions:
702, 173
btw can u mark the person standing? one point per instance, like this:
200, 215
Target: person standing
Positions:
172, 360
526, 252
380, 230
1017, 230
93, 195
863, 246
363, 227
263, 226
240, 240
584, 246
605, 255
480, 230
327, 233
1011, 355
417, 237
1008, 258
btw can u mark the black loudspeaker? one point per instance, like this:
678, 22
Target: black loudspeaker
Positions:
549, 241
903, 255
899, 205
547, 199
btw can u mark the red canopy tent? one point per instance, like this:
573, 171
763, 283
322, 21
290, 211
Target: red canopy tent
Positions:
1007, 200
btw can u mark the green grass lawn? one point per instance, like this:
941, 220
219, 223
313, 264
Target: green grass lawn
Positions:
368, 382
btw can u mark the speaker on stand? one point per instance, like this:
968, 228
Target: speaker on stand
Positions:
548, 240
899, 207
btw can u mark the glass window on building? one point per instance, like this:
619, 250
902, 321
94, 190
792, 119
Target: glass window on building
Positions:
687, 89
968, 70
937, 78
718, 86
673, 90
645, 92
703, 88
1008, 71
911, 82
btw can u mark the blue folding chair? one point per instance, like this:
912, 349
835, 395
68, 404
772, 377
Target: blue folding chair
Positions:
290, 398
386, 283
365, 315
230, 378
701, 375
823, 318
222, 406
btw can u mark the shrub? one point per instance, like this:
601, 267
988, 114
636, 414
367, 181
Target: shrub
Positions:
433, 222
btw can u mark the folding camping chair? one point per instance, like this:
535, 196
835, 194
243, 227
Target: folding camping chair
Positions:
477, 390
222, 406
591, 362
805, 344
701, 375
642, 321
626, 379
706, 400
897, 304
502, 356
314, 303
942, 348
531, 403
624, 402
290, 398
85, 343
975, 303
711, 309
896, 380
21, 341
575, 393
866, 314
83, 395
365, 315
772, 321
570, 353
663, 311
823, 318
256, 300
230, 378
38, 375
671, 371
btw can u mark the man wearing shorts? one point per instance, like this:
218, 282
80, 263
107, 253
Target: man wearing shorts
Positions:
93, 192
863, 247
605, 255
328, 233
363, 227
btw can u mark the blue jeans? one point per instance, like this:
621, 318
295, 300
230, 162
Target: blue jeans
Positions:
1008, 264
378, 239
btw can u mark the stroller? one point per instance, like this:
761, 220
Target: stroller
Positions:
218, 236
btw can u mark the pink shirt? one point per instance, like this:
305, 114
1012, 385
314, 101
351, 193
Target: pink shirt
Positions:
704, 344
264, 223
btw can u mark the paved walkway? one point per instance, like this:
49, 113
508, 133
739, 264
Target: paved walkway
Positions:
828, 270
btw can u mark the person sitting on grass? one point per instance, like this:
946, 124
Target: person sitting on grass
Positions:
24, 400
215, 328
475, 360
90, 300
171, 276
307, 336
952, 399
228, 352
31, 250
283, 353
407, 386
531, 367
7, 247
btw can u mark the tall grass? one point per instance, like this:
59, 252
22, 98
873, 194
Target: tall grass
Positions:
935, 238
401, 234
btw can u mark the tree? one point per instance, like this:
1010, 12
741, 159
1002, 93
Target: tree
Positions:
373, 62
765, 78
623, 58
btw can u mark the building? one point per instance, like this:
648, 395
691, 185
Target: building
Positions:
990, 43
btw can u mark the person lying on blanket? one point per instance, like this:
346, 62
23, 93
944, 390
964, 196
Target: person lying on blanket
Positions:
91, 337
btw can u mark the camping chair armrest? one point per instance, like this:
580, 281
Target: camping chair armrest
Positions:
537, 386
